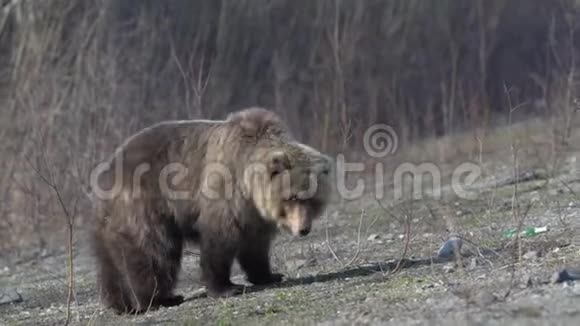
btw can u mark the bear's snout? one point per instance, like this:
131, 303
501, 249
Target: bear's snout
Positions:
304, 232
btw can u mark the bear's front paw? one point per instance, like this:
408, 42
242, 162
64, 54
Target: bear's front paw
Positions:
226, 292
272, 278
171, 301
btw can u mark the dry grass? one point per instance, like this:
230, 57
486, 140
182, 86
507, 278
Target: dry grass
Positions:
76, 78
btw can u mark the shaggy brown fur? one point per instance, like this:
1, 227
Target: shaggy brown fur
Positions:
246, 178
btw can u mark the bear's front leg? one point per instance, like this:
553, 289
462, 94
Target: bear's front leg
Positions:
216, 262
254, 258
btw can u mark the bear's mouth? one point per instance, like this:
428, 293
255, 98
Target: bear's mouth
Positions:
286, 228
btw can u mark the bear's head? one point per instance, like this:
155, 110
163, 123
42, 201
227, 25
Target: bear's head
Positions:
288, 182
299, 187
290, 186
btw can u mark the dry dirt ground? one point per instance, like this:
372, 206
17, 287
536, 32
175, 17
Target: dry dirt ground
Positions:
372, 262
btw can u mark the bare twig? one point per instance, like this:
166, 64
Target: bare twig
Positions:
358, 245
328, 242
70, 217
406, 221
355, 256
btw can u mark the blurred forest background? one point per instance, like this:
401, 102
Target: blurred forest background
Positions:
78, 76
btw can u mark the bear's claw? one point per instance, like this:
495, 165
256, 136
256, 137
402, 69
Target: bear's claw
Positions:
230, 291
172, 301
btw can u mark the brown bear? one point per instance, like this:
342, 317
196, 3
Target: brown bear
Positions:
227, 186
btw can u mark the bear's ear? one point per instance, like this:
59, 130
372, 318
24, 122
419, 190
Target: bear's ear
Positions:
278, 162
256, 122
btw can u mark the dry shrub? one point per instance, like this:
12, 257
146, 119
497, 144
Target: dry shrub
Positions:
76, 77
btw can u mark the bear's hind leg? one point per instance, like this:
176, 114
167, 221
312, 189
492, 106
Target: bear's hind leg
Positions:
142, 281
137, 274
153, 273
111, 284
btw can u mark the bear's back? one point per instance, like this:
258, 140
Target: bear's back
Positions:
164, 140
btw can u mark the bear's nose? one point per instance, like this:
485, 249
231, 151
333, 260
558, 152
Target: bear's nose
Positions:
304, 232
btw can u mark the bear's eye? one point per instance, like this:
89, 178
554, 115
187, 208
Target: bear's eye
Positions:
293, 198
325, 171
282, 213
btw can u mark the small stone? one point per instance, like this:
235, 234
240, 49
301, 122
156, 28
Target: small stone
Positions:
448, 249
526, 282
401, 236
427, 235
484, 298
295, 264
373, 237
473, 263
459, 213
427, 286
8, 296
530, 255
449, 268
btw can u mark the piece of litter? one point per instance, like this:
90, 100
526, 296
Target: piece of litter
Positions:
566, 275
541, 229
527, 232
